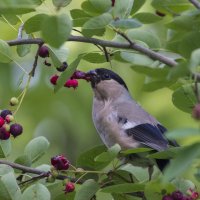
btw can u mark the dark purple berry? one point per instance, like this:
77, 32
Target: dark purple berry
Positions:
4, 134
43, 51
78, 75
69, 187
16, 129
177, 195
113, 2
63, 67
167, 197
60, 162
4, 113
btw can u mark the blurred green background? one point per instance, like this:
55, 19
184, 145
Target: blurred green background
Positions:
65, 118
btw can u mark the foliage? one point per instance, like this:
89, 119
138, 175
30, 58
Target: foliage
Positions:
161, 43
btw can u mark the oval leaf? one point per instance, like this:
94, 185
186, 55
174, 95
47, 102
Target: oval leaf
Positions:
5, 148
56, 29
36, 148
36, 192
5, 52
87, 190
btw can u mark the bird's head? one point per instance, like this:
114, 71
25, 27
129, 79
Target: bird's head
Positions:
106, 83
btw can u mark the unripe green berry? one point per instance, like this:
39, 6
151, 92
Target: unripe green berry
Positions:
14, 101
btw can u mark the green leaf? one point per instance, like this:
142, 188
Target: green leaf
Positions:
87, 190
23, 50
36, 192
140, 173
90, 33
89, 8
34, 23
36, 148
184, 98
136, 150
147, 37
186, 22
110, 155
126, 23
153, 189
182, 133
24, 160
86, 159
18, 6
124, 188
5, 52
9, 188
5, 169
171, 6
12, 19
61, 3
151, 71
98, 22
194, 60
136, 59
58, 56
122, 8
5, 148
147, 18
183, 160
102, 5
137, 5
167, 154
78, 13
124, 197
56, 29
67, 74
188, 43
95, 58
181, 70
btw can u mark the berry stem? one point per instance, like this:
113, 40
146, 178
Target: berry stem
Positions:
23, 94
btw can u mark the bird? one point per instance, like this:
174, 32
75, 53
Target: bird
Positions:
119, 119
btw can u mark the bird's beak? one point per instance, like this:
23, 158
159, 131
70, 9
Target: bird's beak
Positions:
93, 76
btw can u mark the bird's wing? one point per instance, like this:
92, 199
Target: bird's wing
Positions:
148, 135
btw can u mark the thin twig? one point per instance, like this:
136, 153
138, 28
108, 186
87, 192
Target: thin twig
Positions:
37, 171
33, 179
106, 54
32, 72
19, 36
195, 3
104, 43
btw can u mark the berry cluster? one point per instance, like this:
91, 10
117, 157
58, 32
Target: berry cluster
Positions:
60, 162
7, 125
72, 82
178, 195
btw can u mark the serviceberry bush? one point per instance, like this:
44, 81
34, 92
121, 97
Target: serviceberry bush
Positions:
157, 39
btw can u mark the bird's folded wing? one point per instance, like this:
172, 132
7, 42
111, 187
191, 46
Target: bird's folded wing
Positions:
148, 135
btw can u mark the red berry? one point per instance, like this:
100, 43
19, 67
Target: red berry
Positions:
43, 51
113, 2
69, 187
9, 118
60, 162
4, 113
195, 195
74, 83
68, 83
16, 129
196, 112
1, 121
63, 67
54, 79
4, 135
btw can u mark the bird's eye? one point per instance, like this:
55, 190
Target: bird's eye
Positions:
106, 76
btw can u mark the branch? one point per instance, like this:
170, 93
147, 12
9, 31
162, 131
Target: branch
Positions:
195, 3
36, 171
104, 43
